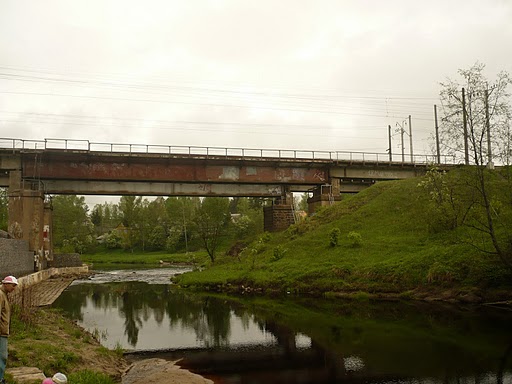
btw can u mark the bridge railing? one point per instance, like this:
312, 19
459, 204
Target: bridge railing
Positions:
86, 145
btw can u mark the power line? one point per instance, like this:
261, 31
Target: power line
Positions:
199, 104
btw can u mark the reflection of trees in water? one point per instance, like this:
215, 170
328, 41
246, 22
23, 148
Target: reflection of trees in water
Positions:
208, 317
130, 310
137, 302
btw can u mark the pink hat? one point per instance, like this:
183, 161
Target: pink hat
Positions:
10, 280
47, 381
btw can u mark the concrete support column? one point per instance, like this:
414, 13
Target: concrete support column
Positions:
286, 197
277, 217
324, 195
26, 213
47, 234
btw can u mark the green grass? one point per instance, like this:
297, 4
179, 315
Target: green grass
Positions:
89, 377
43, 338
117, 256
397, 252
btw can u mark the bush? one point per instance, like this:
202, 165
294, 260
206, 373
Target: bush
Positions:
334, 237
278, 253
355, 239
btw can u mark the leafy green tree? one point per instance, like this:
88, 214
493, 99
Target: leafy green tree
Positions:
157, 238
181, 227
211, 218
72, 227
105, 217
301, 202
250, 221
130, 208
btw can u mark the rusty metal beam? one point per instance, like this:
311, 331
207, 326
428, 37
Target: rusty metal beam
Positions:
79, 166
160, 189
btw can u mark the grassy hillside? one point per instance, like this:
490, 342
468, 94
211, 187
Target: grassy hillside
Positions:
386, 245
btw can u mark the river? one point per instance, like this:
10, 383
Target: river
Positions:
292, 340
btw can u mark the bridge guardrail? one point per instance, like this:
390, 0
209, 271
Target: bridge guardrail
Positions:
299, 154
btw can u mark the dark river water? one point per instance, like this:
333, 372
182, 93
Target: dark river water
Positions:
292, 340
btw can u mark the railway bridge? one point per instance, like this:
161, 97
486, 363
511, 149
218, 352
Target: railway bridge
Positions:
35, 169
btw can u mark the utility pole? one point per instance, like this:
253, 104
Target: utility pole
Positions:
410, 139
402, 130
437, 136
465, 123
402, 142
389, 139
490, 165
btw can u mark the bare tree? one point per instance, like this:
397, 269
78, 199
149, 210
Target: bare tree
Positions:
485, 107
476, 128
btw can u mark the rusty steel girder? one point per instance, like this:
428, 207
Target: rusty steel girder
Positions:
148, 168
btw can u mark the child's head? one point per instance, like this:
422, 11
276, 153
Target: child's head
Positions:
48, 381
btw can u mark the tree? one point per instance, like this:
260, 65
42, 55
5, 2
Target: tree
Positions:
105, 217
180, 213
72, 227
301, 202
130, 210
485, 111
212, 216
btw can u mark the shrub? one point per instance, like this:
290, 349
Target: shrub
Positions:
334, 236
355, 239
278, 253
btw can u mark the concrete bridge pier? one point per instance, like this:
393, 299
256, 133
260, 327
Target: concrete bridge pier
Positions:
30, 218
279, 215
324, 195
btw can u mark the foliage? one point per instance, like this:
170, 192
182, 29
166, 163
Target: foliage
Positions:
398, 254
211, 219
355, 239
157, 238
278, 253
113, 241
486, 135
334, 237
72, 228
301, 202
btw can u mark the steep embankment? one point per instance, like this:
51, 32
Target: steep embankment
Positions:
388, 240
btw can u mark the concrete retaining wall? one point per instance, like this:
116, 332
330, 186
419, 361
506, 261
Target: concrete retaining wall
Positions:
15, 258
65, 260
37, 277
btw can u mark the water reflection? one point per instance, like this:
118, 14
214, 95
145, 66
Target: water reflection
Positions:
168, 319
259, 340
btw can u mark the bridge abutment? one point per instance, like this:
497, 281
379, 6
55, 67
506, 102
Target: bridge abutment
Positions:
30, 218
324, 195
277, 217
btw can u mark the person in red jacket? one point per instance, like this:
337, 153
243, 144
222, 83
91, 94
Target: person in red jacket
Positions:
9, 284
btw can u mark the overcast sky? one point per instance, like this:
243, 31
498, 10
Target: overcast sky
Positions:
319, 75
